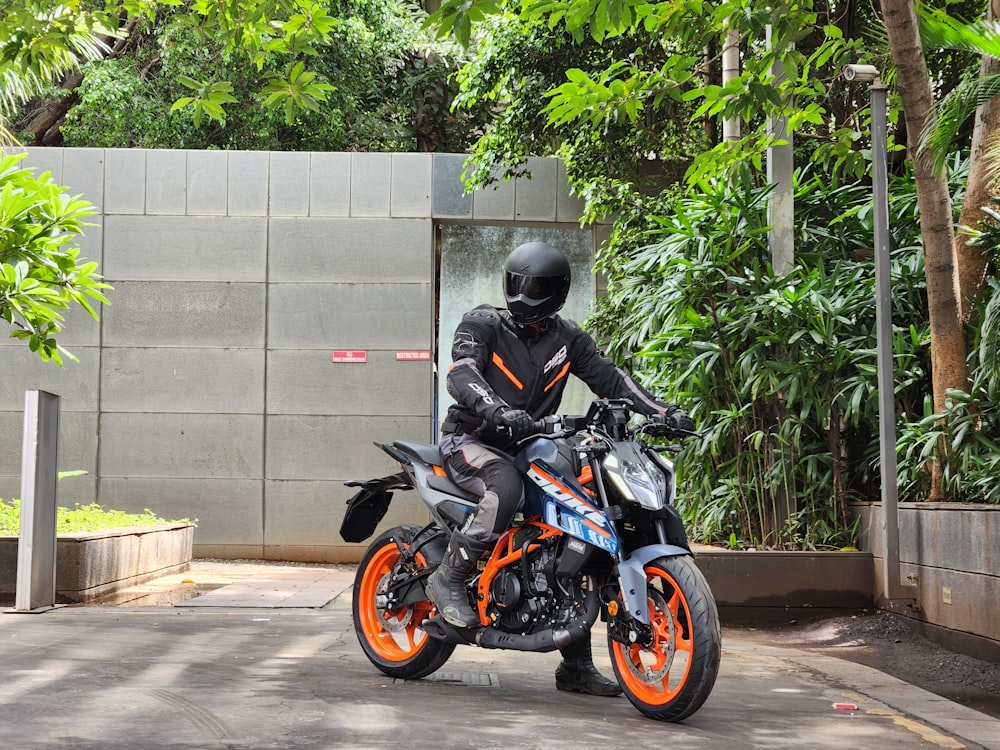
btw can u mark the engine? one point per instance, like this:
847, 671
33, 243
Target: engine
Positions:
527, 597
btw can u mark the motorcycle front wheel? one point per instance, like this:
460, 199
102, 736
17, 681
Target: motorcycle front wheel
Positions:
671, 678
390, 635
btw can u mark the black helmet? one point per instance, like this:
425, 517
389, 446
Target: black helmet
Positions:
535, 282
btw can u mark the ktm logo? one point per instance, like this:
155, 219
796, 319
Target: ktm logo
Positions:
557, 359
563, 493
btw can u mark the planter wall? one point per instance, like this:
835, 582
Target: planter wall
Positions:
783, 586
951, 552
95, 564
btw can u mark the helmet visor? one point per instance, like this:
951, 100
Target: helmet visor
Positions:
533, 288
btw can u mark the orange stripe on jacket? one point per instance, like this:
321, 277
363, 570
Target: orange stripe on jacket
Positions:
557, 378
503, 368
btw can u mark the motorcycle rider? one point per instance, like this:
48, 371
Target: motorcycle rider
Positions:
509, 368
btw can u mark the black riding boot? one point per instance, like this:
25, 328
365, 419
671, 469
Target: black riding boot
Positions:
446, 585
577, 672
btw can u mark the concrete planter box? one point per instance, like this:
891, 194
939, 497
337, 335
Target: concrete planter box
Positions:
92, 565
951, 553
782, 586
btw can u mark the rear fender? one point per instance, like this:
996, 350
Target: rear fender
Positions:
633, 577
368, 506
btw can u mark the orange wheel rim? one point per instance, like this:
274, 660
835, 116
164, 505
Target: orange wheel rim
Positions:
656, 675
394, 635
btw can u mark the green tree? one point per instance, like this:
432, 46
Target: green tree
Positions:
41, 273
366, 78
255, 30
40, 42
976, 97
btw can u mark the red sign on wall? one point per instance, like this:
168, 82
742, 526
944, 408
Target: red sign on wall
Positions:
354, 356
420, 355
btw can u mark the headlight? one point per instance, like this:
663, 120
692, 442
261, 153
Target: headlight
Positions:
636, 477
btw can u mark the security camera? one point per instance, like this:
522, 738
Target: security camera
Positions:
860, 72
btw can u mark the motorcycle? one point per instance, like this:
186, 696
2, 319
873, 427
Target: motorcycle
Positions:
598, 536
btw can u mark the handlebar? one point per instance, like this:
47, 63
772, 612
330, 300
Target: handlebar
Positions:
555, 427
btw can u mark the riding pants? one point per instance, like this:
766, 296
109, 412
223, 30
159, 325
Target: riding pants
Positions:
488, 473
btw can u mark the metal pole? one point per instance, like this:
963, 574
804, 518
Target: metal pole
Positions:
36, 549
886, 378
780, 169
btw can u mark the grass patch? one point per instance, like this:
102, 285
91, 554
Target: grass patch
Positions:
91, 517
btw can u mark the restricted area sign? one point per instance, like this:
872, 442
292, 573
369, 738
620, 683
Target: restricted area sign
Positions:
418, 355
351, 356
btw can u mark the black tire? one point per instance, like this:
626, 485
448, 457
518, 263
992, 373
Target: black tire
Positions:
391, 638
672, 679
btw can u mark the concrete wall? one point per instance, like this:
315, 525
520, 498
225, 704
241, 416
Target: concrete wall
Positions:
207, 390
951, 552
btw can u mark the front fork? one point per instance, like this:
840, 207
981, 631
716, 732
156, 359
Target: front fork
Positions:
629, 619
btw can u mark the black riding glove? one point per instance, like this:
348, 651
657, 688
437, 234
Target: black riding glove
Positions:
678, 420
516, 422
674, 421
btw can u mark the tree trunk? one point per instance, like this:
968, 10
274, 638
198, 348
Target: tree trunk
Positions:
948, 368
972, 261
45, 122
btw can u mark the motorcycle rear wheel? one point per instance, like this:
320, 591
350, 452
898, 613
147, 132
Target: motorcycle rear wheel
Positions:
672, 678
391, 638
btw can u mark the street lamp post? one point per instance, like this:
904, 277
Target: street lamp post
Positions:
895, 590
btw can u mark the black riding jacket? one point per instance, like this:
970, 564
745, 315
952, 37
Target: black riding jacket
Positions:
496, 363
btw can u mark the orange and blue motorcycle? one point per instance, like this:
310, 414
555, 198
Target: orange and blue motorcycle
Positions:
598, 536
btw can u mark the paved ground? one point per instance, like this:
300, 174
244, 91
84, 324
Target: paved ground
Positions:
264, 656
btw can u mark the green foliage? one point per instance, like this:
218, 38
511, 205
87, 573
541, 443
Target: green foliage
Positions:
41, 274
970, 424
208, 99
374, 85
641, 79
779, 373
954, 110
79, 518
42, 40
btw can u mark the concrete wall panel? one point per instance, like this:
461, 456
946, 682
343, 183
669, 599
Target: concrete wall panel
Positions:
228, 511
536, 196
182, 314
320, 447
410, 193
965, 541
350, 316
319, 507
371, 179
173, 379
77, 452
330, 185
183, 248
352, 250
91, 243
569, 208
42, 160
181, 445
448, 198
307, 382
76, 383
125, 173
166, 182
494, 203
83, 173
207, 183
247, 185
289, 185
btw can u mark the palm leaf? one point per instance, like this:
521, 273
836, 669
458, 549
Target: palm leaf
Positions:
952, 112
937, 29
